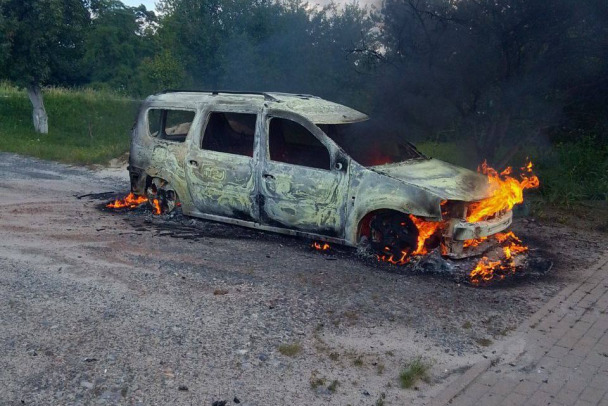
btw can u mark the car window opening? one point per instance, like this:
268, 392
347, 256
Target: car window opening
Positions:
359, 140
171, 125
292, 143
231, 133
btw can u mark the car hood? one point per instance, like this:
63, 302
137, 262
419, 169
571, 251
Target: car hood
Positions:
449, 182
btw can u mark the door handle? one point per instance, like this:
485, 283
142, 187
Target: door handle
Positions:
268, 176
193, 163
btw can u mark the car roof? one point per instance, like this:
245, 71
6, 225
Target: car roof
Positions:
315, 109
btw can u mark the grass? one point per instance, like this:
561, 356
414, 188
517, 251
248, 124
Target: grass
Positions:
85, 126
290, 350
484, 342
415, 371
316, 382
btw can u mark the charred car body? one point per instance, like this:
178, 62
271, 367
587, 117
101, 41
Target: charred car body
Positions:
284, 163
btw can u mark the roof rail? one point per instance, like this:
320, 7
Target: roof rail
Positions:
267, 96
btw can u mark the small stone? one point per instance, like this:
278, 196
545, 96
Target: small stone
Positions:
236, 400
219, 403
183, 388
263, 357
86, 384
366, 393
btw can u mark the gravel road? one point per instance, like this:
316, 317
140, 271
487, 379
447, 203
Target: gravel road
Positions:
100, 307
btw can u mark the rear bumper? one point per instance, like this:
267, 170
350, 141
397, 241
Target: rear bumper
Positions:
459, 231
138, 180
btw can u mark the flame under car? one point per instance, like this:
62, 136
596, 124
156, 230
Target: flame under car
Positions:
295, 164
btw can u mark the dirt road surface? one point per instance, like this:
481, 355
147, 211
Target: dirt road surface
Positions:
99, 307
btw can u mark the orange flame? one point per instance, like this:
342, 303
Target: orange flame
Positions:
320, 246
156, 207
473, 243
426, 230
487, 270
131, 201
506, 191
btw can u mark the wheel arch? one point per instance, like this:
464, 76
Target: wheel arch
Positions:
363, 224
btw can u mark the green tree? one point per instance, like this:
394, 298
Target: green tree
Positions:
41, 43
267, 45
119, 39
161, 72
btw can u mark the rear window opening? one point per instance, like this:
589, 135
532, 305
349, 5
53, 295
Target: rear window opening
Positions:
170, 125
230, 133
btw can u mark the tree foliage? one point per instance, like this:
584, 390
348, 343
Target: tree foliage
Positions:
42, 41
501, 71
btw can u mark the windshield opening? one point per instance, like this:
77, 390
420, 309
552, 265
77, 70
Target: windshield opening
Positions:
362, 142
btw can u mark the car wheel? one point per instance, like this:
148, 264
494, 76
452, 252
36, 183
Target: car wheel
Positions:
160, 191
393, 234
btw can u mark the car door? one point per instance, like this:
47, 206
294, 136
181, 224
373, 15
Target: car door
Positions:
220, 164
169, 128
303, 177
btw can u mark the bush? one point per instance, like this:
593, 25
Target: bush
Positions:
575, 171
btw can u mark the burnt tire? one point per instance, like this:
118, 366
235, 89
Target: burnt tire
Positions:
392, 234
159, 189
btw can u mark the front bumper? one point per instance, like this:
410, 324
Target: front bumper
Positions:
459, 231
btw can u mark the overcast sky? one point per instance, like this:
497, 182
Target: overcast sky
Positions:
150, 3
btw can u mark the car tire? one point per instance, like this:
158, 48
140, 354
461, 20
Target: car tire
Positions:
160, 190
393, 234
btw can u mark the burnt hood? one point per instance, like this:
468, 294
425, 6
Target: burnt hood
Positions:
449, 182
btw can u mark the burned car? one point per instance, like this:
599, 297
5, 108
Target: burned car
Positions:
286, 163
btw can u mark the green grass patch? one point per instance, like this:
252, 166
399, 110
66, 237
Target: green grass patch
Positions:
290, 350
415, 371
484, 342
85, 126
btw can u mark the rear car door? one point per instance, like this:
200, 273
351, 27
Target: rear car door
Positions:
303, 180
220, 164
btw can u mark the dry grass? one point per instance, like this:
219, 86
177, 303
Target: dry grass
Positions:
290, 350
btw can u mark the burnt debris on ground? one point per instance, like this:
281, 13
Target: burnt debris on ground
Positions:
532, 264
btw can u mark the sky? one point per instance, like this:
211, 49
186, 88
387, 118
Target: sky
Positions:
150, 3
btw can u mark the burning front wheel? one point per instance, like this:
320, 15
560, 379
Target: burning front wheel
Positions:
162, 197
393, 235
